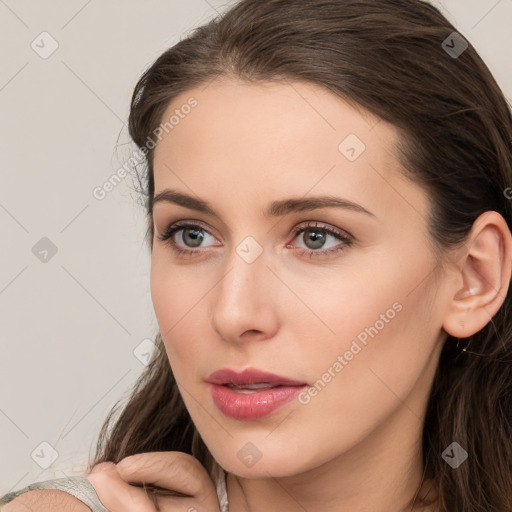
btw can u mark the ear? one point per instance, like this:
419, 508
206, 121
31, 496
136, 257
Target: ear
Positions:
483, 276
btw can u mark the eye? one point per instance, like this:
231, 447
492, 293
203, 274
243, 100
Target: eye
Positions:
320, 240
185, 237
188, 238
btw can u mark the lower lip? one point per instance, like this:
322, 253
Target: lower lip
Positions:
251, 406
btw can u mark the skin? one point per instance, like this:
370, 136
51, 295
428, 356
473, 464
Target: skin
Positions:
357, 444
167, 470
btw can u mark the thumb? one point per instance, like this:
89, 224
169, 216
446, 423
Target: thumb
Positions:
174, 470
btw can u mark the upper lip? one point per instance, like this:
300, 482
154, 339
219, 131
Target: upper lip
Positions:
250, 376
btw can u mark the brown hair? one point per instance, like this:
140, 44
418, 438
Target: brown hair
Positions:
456, 141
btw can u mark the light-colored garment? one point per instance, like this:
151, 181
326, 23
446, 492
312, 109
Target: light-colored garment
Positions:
81, 488
219, 478
77, 486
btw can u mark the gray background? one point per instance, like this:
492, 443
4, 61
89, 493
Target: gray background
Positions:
73, 325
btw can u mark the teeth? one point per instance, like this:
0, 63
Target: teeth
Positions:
249, 388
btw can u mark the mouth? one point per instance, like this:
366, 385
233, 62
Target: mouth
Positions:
251, 394
251, 388
251, 379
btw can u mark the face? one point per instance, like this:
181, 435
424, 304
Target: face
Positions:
339, 297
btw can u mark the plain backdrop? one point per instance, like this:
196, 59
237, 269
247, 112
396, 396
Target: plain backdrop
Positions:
75, 305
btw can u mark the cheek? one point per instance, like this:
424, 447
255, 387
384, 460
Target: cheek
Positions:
375, 315
370, 314
372, 364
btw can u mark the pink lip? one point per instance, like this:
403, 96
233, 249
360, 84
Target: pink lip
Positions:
250, 376
254, 405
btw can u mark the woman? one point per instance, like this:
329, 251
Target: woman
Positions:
329, 220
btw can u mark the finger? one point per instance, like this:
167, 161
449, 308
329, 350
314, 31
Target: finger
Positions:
172, 470
169, 504
117, 495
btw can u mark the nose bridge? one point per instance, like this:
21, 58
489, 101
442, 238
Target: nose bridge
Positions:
242, 301
244, 279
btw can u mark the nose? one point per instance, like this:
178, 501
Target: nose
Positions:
245, 300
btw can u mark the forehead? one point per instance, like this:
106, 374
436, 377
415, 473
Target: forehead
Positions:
263, 110
278, 139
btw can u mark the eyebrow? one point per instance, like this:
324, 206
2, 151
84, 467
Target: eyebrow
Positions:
276, 208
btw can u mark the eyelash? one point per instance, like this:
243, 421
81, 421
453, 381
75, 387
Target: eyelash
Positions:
340, 235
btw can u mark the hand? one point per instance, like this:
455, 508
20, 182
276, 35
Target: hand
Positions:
184, 484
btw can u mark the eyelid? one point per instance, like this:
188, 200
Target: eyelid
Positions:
334, 231
344, 237
183, 224
174, 227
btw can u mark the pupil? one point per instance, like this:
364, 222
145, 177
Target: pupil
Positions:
195, 235
316, 237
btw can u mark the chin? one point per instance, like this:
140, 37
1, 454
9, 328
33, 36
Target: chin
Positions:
251, 462
261, 469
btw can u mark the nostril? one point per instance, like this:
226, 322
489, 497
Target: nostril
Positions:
252, 332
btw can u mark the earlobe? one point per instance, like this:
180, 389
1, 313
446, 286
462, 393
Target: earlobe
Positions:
485, 268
